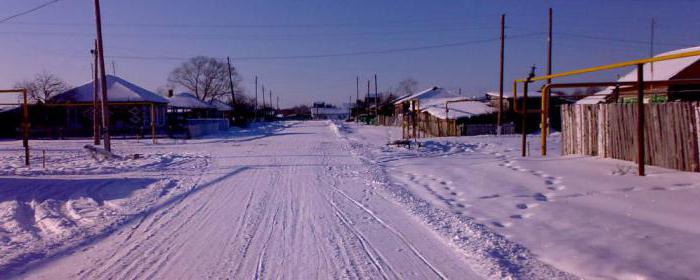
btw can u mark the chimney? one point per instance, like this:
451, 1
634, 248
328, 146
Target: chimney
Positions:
170, 93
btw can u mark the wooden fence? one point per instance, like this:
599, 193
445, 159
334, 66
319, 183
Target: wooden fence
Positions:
610, 130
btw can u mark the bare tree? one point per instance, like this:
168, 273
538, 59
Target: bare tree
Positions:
407, 86
206, 77
44, 86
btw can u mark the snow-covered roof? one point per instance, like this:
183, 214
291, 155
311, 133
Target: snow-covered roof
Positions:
464, 109
8, 108
663, 71
118, 90
221, 106
186, 100
434, 92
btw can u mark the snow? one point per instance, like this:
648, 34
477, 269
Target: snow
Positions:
187, 100
434, 92
662, 71
590, 217
118, 90
320, 200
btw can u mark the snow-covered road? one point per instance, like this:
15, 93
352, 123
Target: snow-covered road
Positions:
294, 203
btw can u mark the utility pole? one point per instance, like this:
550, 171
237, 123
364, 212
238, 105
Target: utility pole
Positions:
256, 99
357, 95
500, 76
103, 78
230, 81
271, 108
369, 83
545, 123
278, 104
549, 47
263, 101
95, 97
376, 97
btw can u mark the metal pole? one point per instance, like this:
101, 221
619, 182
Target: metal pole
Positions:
544, 113
103, 78
523, 116
25, 127
500, 77
640, 119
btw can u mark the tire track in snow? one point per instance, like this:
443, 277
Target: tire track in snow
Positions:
392, 230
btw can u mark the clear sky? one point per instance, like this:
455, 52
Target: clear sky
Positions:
147, 39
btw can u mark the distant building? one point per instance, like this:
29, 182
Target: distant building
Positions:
323, 111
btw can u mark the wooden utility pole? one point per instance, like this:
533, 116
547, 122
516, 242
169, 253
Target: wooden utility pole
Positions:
376, 97
500, 76
640, 120
549, 47
271, 108
103, 78
255, 109
263, 101
545, 123
369, 83
95, 97
357, 96
230, 81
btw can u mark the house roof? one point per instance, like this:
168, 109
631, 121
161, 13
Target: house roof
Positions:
118, 90
434, 92
663, 71
186, 100
465, 109
221, 106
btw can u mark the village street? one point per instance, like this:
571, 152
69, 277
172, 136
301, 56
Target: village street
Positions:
289, 203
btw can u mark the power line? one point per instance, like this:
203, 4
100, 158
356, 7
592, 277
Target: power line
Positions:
341, 54
600, 38
11, 17
456, 20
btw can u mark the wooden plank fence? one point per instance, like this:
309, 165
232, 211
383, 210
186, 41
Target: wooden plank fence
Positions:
609, 130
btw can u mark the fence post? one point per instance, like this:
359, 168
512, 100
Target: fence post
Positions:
640, 118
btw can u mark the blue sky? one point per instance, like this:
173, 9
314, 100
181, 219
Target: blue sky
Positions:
147, 39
